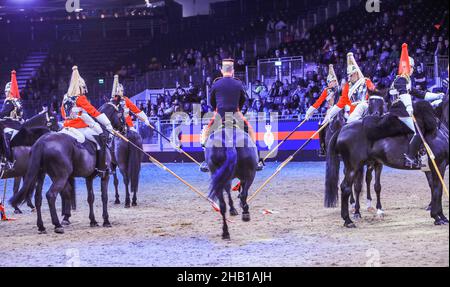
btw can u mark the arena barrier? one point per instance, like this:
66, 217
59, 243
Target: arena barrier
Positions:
268, 136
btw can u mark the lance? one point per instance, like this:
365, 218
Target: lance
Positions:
165, 168
178, 148
431, 156
288, 160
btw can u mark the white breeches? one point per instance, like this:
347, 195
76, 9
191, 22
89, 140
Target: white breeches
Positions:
358, 112
12, 131
409, 122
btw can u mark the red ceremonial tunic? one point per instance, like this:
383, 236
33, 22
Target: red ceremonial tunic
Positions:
133, 108
344, 100
78, 123
321, 99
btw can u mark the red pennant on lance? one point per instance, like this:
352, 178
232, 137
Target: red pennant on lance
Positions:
14, 92
404, 67
437, 26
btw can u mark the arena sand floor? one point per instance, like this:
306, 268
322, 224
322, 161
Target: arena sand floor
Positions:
171, 226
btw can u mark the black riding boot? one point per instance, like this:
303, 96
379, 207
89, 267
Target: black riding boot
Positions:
323, 148
9, 155
411, 158
101, 166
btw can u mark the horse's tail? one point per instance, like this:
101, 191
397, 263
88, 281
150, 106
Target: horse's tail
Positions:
223, 175
134, 160
332, 173
33, 169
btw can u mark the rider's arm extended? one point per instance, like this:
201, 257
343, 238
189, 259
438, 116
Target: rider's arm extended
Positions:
135, 110
312, 109
427, 96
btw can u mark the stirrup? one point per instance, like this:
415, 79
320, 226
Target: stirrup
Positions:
322, 153
412, 163
260, 165
204, 167
102, 173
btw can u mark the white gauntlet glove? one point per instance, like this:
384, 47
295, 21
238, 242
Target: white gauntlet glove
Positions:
310, 112
431, 97
332, 113
103, 119
143, 117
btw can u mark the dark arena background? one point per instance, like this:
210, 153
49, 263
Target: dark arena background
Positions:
169, 58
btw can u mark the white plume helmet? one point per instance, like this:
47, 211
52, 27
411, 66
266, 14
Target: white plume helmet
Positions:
117, 89
331, 74
352, 66
7, 89
77, 84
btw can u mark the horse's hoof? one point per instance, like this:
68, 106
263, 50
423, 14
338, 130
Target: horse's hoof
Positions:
134, 204
43, 231
59, 230
439, 222
443, 218
127, 205
117, 201
246, 217
33, 210
107, 224
234, 212
353, 211
350, 225
226, 236
65, 222
94, 224
17, 211
428, 208
380, 214
371, 210
357, 216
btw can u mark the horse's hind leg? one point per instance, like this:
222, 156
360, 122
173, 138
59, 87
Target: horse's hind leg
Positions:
38, 203
56, 187
436, 201
223, 211
66, 200
116, 183
346, 191
233, 211
126, 182
369, 177
15, 190
377, 187
243, 197
90, 200
358, 189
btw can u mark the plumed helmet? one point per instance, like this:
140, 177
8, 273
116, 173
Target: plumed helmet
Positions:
331, 75
77, 85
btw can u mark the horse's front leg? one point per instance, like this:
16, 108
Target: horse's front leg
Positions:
104, 188
116, 183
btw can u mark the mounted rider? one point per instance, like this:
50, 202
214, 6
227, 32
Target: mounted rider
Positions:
355, 93
402, 93
118, 97
227, 96
11, 118
329, 95
79, 123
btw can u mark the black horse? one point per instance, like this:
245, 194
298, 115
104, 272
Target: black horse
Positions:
377, 107
357, 146
231, 153
62, 158
128, 159
29, 132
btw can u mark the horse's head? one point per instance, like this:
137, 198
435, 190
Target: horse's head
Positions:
115, 114
376, 105
52, 121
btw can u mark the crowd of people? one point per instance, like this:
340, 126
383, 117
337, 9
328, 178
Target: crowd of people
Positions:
374, 44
